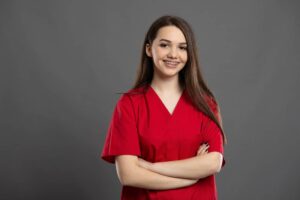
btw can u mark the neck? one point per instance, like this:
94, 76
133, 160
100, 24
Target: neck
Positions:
166, 85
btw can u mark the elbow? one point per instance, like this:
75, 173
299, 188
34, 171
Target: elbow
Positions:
126, 168
129, 180
217, 168
125, 178
122, 178
217, 163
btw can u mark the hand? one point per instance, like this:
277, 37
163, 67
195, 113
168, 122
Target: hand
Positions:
203, 149
143, 163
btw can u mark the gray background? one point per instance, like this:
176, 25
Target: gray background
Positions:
62, 63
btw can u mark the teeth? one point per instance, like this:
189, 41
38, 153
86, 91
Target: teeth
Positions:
173, 63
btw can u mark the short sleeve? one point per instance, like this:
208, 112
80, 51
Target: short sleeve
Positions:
122, 135
212, 133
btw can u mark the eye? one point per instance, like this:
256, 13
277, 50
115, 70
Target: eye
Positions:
163, 45
183, 48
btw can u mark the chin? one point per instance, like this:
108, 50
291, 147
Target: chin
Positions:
170, 74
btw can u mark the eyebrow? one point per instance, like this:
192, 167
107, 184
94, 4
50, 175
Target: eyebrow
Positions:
170, 41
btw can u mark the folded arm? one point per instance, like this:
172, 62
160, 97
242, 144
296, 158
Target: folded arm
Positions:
191, 168
131, 174
200, 166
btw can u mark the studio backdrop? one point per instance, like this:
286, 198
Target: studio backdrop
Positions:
62, 64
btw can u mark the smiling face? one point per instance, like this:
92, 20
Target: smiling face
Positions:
168, 51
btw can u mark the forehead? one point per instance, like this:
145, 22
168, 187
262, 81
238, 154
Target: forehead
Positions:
171, 33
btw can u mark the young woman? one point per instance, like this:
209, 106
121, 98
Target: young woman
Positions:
166, 135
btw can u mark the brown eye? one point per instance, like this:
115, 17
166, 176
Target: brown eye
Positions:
183, 48
163, 45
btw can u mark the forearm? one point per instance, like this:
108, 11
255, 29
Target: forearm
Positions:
130, 173
144, 178
192, 168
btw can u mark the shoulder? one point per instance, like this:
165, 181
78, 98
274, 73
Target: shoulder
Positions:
212, 103
132, 96
214, 106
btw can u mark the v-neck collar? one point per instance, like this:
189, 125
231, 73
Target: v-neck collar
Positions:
163, 105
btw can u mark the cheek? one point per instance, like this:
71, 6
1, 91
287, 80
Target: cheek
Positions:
160, 53
184, 57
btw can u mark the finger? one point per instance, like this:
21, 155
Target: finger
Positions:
203, 144
202, 147
202, 151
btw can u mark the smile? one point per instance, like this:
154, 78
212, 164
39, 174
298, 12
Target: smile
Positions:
171, 63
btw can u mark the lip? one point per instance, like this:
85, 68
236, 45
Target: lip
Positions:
172, 62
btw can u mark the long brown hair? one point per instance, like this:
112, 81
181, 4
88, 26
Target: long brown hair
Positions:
190, 77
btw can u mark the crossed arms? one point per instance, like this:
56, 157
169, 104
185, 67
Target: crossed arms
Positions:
136, 172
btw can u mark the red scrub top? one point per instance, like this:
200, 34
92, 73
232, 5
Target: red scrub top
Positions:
141, 125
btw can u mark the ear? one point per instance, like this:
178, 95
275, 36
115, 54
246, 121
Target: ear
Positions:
148, 50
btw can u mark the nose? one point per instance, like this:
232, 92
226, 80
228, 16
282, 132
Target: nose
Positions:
172, 53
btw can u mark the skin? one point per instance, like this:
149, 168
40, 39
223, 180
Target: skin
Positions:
169, 44
191, 168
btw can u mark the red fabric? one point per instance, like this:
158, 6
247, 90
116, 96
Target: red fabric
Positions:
141, 125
